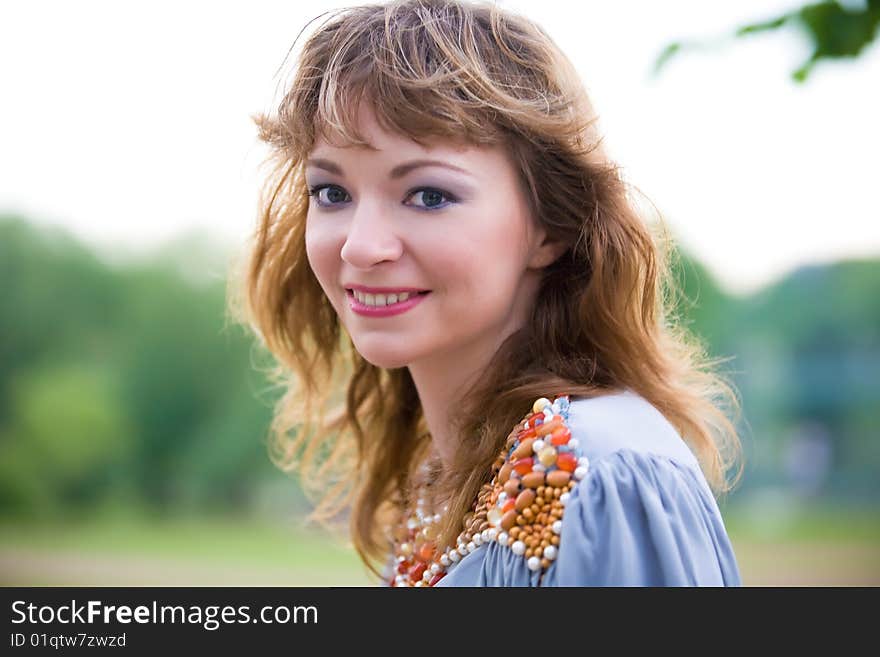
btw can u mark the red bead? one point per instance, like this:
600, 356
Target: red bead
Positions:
527, 433
417, 571
533, 419
403, 566
436, 578
566, 461
560, 436
523, 466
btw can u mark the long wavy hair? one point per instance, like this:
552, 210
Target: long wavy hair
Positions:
605, 317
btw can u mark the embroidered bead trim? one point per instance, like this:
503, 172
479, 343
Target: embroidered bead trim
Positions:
521, 507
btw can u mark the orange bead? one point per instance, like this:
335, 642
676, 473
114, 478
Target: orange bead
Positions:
426, 552
549, 427
560, 436
523, 466
509, 504
566, 461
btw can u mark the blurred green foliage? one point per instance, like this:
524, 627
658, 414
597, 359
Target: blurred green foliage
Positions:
120, 382
125, 383
835, 30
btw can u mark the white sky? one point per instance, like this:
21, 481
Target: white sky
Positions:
128, 122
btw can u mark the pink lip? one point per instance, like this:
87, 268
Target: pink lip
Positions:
381, 290
383, 311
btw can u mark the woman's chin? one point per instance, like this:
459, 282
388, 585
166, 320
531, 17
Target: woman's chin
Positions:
387, 357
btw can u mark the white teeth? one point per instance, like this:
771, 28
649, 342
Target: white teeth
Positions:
380, 299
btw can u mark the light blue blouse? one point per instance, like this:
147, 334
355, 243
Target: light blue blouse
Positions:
643, 515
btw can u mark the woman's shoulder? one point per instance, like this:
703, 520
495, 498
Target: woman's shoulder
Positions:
596, 491
624, 421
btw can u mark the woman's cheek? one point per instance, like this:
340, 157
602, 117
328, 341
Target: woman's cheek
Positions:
317, 245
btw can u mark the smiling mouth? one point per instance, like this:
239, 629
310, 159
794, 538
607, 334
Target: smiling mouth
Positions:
383, 300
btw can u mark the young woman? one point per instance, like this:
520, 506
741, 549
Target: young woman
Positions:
473, 323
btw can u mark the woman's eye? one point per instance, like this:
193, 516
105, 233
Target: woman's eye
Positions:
430, 198
329, 194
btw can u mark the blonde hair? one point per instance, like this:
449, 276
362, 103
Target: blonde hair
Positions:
604, 318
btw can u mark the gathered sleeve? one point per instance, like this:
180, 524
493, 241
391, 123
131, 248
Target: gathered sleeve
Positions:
641, 519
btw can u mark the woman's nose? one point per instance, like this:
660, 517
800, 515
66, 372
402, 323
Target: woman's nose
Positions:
371, 237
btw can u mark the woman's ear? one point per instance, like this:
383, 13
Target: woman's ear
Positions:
545, 251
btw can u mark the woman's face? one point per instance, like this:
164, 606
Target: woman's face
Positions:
449, 227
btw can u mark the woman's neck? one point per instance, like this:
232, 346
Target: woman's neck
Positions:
442, 382
443, 378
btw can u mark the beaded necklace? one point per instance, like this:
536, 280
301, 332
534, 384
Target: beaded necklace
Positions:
521, 507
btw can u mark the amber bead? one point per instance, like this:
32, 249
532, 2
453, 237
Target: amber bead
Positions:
509, 519
547, 456
558, 478
512, 487
524, 449
525, 499
549, 427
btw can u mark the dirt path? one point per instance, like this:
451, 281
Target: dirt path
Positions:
49, 568
761, 564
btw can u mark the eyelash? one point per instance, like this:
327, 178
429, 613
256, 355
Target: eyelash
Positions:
450, 198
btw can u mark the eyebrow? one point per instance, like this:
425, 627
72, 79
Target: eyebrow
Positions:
397, 172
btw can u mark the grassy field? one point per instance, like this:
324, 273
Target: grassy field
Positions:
169, 552
829, 547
